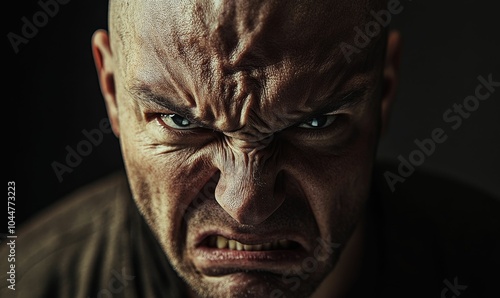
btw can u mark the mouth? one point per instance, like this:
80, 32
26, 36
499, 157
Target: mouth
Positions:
221, 242
218, 254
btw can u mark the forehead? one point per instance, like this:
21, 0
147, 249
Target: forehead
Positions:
232, 61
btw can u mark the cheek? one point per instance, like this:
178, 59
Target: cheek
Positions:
336, 185
163, 183
163, 186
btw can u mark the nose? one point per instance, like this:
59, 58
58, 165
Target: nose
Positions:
250, 188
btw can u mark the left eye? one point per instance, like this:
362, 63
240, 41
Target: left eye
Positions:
177, 122
319, 122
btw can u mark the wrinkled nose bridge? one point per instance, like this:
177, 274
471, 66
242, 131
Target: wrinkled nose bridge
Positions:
247, 188
251, 144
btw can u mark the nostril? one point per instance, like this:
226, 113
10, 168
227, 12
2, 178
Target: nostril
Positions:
279, 185
216, 177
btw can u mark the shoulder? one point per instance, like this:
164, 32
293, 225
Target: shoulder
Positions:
83, 207
66, 236
85, 212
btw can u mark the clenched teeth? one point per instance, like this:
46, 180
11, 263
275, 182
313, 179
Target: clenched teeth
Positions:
221, 242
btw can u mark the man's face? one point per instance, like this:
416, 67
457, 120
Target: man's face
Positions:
247, 137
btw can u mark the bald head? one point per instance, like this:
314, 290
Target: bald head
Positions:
233, 54
244, 31
232, 23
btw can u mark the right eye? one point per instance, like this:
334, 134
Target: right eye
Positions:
319, 122
177, 122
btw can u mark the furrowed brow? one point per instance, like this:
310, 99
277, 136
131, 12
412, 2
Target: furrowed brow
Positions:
350, 99
147, 97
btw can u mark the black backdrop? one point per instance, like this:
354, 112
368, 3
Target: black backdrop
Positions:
52, 94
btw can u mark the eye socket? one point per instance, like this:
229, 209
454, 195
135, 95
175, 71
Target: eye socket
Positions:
177, 122
319, 122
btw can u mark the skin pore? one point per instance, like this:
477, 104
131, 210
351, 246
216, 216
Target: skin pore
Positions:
244, 120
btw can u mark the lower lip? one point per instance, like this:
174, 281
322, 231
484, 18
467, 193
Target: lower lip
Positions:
217, 262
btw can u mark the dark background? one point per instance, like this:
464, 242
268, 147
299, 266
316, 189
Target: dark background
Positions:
52, 94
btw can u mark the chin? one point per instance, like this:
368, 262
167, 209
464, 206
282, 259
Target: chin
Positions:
254, 284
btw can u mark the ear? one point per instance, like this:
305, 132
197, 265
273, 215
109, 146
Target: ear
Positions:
103, 58
391, 76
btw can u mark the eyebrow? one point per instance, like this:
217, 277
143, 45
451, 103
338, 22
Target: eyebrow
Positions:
346, 100
147, 96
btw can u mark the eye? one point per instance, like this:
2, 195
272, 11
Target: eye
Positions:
176, 122
319, 122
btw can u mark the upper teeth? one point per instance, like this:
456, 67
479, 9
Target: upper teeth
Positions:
222, 242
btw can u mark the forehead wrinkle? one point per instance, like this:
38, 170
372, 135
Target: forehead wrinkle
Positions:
299, 19
195, 73
225, 28
186, 48
239, 27
230, 100
158, 77
254, 33
173, 64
